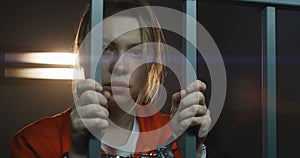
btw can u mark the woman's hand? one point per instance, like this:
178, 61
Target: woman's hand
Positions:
189, 109
89, 112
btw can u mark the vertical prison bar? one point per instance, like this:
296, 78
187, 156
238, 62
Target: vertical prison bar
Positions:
269, 82
190, 8
96, 14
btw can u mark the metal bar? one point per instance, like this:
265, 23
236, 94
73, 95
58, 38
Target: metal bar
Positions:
94, 145
96, 39
190, 8
269, 82
295, 3
2, 61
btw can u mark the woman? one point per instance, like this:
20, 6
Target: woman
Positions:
128, 86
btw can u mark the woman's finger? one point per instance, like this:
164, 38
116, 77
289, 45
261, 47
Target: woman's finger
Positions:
192, 111
88, 84
196, 86
92, 111
176, 97
92, 97
193, 98
204, 129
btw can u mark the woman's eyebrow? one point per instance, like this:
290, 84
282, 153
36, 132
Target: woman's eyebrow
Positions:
106, 41
131, 45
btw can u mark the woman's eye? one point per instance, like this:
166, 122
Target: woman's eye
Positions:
136, 53
107, 50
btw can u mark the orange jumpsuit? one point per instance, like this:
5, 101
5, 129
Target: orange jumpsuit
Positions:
50, 137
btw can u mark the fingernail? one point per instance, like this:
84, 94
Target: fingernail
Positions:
106, 94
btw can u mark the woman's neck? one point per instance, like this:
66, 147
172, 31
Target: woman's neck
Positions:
120, 117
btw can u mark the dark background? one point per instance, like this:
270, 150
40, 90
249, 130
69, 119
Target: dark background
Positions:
50, 25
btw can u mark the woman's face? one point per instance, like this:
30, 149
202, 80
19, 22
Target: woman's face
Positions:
122, 57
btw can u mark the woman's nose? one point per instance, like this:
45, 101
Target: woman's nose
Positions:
119, 66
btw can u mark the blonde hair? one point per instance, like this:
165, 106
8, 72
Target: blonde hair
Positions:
156, 71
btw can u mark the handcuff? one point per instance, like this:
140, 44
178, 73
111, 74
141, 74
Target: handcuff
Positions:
161, 152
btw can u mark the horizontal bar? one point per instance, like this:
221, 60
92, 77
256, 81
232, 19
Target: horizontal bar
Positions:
277, 3
295, 3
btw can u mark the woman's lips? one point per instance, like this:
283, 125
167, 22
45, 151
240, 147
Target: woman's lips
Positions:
116, 87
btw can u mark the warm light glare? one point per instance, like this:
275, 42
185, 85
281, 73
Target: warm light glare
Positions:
44, 73
51, 58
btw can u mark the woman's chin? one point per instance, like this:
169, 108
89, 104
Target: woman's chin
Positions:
124, 102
